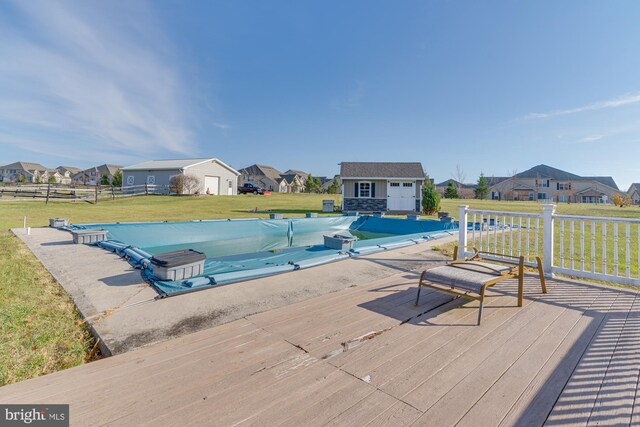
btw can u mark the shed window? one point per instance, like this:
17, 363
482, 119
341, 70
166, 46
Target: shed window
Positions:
365, 190
407, 184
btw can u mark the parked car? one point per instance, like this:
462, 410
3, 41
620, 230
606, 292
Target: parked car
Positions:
250, 188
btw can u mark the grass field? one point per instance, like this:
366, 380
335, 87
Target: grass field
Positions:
40, 331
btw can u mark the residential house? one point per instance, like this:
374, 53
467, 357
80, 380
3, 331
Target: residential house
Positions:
548, 184
215, 176
93, 176
465, 191
634, 193
271, 179
265, 176
382, 186
290, 183
67, 173
23, 171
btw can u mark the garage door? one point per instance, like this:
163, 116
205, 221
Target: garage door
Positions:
401, 196
211, 184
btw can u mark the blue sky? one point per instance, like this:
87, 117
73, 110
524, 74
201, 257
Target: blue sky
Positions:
493, 86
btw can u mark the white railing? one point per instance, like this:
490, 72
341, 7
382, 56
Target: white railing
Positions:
606, 249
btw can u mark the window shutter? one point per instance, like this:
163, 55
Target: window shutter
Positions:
557, 185
373, 190
356, 190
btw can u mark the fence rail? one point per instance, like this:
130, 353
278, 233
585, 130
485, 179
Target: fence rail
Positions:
599, 248
78, 193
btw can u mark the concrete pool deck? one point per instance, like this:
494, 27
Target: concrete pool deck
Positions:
123, 311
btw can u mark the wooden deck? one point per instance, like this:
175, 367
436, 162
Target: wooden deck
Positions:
367, 356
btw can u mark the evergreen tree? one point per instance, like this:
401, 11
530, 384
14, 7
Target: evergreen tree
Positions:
104, 180
310, 185
430, 197
52, 180
482, 190
451, 192
334, 188
117, 179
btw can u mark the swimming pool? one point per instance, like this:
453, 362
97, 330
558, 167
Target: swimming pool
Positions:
243, 249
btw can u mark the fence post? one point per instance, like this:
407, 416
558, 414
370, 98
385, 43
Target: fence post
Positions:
462, 230
547, 239
146, 188
96, 202
46, 202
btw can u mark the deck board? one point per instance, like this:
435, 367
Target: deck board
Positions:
568, 357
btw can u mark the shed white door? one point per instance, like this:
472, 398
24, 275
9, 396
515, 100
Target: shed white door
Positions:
401, 196
211, 184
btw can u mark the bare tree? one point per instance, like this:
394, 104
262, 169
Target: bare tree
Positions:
184, 184
460, 176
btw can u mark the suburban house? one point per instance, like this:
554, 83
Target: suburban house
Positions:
215, 177
381, 186
24, 171
67, 173
548, 184
634, 193
465, 191
93, 176
271, 179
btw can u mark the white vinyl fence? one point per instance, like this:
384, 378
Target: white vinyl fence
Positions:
606, 249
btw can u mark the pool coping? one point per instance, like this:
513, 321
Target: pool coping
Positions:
124, 313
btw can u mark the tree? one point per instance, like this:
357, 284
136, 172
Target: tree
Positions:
311, 185
460, 176
482, 190
52, 179
430, 197
621, 200
117, 179
184, 184
104, 180
451, 192
334, 188
294, 186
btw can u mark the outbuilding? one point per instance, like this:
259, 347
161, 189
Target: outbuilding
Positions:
382, 186
214, 176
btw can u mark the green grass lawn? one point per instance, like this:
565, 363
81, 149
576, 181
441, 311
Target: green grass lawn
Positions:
40, 331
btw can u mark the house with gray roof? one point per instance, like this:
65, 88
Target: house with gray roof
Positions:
93, 175
23, 171
382, 186
215, 177
634, 193
271, 179
548, 184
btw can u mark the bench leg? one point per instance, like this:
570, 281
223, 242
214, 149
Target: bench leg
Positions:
543, 282
481, 305
419, 287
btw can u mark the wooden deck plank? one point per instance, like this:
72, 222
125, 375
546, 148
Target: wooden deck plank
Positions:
614, 404
398, 415
384, 349
579, 396
365, 410
537, 400
499, 388
411, 369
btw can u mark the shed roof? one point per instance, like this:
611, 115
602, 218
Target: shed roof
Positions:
411, 170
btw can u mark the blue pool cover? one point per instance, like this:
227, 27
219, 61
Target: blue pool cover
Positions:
243, 249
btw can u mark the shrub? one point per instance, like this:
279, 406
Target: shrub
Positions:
620, 200
184, 184
451, 192
483, 188
430, 198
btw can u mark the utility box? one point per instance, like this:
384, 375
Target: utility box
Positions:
58, 222
328, 206
446, 219
276, 216
413, 217
312, 215
88, 236
178, 265
341, 243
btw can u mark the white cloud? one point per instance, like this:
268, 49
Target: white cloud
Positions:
591, 138
628, 99
88, 78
